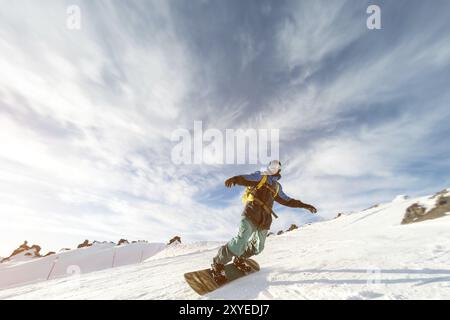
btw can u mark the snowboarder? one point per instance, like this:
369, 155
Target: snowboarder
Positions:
262, 190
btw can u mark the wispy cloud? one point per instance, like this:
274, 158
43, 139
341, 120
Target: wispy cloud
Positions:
86, 116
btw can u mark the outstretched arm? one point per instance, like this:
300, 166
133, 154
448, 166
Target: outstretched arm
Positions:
285, 200
247, 180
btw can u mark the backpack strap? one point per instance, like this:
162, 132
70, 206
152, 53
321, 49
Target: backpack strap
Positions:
274, 191
251, 198
277, 190
248, 194
261, 182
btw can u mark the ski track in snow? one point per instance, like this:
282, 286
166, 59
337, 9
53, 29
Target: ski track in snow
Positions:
366, 255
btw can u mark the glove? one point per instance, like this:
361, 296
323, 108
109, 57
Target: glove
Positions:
309, 207
306, 206
230, 182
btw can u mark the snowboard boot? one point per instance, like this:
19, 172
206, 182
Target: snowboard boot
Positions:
218, 273
241, 265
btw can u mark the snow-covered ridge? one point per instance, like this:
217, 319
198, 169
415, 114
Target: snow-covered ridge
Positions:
180, 249
364, 255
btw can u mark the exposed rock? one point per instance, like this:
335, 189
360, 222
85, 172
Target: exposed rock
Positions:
292, 227
442, 201
413, 212
175, 240
50, 253
372, 207
418, 213
33, 251
280, 232
23, 247
339, 215
270, 234
85, 244
122, 241
440, 193
64, 249
95, 242
36, 249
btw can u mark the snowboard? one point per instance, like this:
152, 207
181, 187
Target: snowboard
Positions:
202, 282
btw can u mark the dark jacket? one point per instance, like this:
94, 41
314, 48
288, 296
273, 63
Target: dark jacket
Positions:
258, 215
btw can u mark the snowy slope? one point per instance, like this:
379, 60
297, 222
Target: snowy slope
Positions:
22, 269
365, 255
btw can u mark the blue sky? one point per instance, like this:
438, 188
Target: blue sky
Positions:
86, 115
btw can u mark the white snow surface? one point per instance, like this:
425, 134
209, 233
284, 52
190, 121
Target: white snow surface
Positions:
400, 198
22, 269
365, 255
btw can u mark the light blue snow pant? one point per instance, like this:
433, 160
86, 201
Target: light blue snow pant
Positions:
249, 242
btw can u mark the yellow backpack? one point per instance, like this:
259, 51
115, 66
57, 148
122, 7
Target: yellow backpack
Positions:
248, 193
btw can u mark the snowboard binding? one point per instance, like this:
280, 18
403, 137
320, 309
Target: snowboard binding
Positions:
241, 265
218, 273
